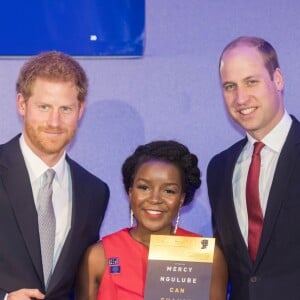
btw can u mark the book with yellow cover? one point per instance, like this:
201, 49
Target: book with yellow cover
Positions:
179, 268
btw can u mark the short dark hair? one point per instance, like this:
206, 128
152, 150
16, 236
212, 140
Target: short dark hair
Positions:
54, 66
167, 151
266, 50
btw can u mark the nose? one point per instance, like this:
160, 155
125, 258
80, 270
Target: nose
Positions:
54, 118
155, 197
241, 96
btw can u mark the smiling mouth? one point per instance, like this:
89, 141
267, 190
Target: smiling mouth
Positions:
53, 131
48, 132
153, 212
247, 111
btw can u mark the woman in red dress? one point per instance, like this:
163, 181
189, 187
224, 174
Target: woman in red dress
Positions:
159, 178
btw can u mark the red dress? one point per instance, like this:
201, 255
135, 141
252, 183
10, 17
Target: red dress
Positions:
124, 277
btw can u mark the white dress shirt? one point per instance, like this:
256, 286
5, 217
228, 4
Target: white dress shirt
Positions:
62, 192
274, 142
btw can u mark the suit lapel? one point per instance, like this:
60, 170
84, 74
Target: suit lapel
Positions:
230, 207
286, 162
79, 212
17, 184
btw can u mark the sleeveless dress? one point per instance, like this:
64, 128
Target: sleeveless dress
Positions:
125, 276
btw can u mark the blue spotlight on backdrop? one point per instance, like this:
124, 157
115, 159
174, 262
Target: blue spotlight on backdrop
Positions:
79, 28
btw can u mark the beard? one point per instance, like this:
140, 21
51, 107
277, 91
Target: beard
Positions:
41, 141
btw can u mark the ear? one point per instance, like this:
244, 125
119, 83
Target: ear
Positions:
278, 79
21, 104
130, 194
182, 199
81, 109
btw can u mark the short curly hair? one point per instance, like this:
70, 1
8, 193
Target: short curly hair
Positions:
53, 66
167, 151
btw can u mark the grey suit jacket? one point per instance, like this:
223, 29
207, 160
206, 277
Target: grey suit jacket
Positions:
276, 271
20, 254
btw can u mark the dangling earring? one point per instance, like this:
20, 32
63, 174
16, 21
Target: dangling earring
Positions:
177, 222
131, 218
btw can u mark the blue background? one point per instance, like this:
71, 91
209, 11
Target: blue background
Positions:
78, 27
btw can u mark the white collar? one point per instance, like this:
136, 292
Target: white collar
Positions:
277, 136
36, 167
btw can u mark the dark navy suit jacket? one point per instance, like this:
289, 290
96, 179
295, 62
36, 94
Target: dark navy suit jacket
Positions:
20, 254
275, 275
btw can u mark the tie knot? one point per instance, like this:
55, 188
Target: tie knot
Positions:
258, 147
48, 177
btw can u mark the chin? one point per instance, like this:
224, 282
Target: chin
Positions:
52, 149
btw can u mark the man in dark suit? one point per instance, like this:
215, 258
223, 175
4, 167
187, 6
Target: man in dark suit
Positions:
253, 85
51, 93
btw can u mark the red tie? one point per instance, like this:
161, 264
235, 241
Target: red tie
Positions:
255, 216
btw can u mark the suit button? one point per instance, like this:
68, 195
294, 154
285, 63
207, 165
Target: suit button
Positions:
253, 279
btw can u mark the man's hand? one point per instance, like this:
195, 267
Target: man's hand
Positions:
25, 294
